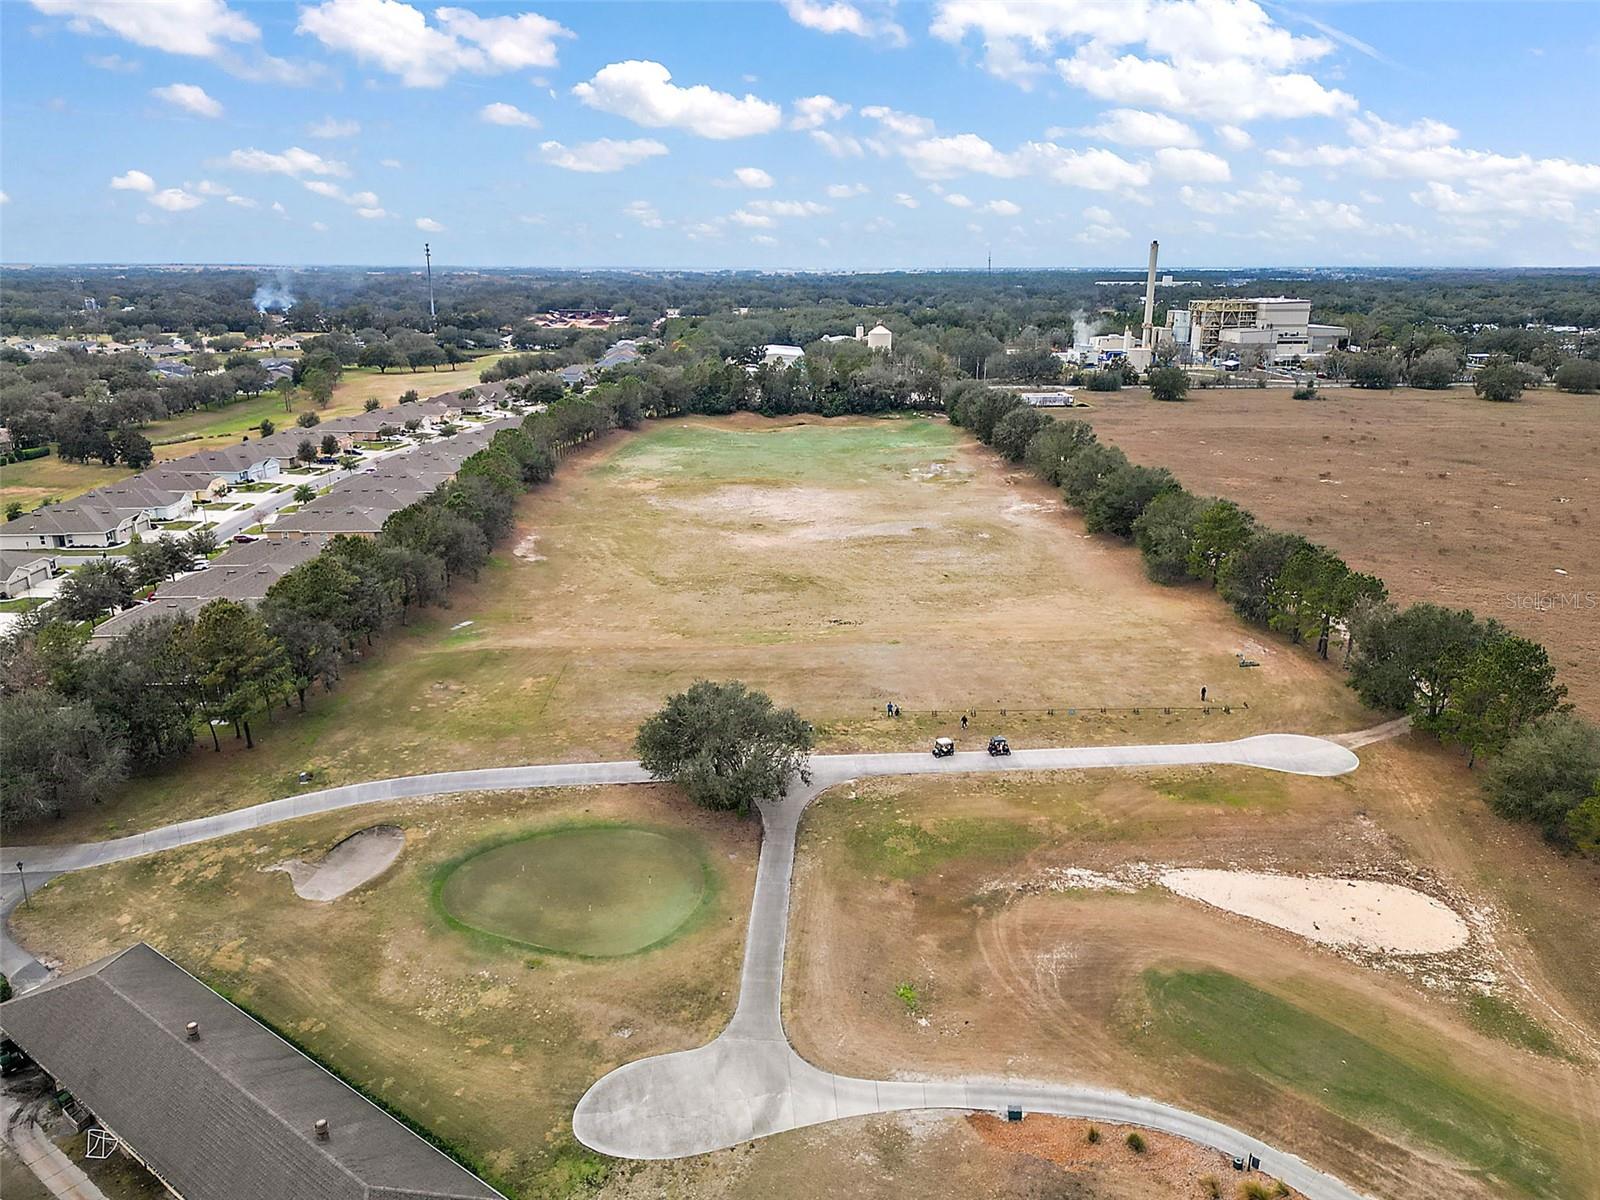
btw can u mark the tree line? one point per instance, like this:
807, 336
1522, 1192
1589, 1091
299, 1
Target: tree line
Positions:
78, 719
1467, 680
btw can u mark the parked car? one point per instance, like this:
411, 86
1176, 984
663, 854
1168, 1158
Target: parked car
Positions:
999, 746
944, 747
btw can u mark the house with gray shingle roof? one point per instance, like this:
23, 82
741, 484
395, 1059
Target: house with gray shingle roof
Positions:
84, 523
214, 1103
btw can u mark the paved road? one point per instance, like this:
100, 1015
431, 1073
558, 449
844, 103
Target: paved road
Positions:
749, 1082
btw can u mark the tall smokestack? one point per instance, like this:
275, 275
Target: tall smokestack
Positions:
1149, 339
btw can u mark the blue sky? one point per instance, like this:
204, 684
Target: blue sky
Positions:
809, 134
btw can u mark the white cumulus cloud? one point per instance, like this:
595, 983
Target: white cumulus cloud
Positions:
175, 200
293, 162
429, 225
1136, 127
811, 112
600, 156
397, 38
133, 181
643, 92
200, 28
840, 16
752, 177
501, 113
333, 127
190, 97
1192, 166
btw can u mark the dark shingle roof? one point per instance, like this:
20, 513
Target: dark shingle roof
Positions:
228, 1116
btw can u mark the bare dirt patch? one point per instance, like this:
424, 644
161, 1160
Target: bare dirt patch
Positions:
1360, 913
357, 860
1167, 1165
1447, 497
1028, 954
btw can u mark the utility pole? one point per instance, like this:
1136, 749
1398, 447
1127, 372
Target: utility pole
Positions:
433, 317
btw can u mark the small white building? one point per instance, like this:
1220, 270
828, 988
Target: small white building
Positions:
782, 356
880, 338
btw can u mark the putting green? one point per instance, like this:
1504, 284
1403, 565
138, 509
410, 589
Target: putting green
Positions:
597, 892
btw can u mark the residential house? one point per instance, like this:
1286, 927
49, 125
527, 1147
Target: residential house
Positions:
23, 570
160, 501
215, 1104
83, 524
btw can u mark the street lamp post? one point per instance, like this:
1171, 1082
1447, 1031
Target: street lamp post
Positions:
24, 879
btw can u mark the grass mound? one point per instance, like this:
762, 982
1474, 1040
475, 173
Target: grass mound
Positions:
590, 892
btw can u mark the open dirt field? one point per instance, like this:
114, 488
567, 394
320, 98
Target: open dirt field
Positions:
487, 1044
1448, 498
837, 565
1019, 925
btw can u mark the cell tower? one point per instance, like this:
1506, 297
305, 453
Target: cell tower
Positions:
427, 254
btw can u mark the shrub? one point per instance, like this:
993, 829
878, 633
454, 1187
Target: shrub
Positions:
1135, 1142
1094, 1135
1104, 381
1546, 772
1168, 383
1254, 1189
906, 993
1435, 370
1578, 375
1308, 392
1502, 382
1372, 371
1211, 1187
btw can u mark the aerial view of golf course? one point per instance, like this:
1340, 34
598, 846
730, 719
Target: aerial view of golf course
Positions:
1426, 1025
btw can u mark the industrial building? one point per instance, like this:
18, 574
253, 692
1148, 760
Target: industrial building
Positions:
1279, 327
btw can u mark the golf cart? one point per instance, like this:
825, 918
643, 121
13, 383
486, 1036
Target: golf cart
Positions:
999, 746
944, 747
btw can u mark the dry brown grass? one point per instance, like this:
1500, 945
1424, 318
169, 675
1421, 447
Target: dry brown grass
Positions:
929, 881
836, 565
487, 1045
1447, 497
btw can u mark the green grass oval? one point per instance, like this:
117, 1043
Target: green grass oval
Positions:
593, 892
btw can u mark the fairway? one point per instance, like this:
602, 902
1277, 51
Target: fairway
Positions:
836, 565
597, 893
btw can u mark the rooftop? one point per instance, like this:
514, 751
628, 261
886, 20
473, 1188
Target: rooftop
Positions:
226, 1115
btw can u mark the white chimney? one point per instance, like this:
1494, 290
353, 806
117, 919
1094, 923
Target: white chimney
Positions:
1148, 341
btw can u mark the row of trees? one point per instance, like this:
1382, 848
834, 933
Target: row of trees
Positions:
77, 721
1470, 682
1502, 378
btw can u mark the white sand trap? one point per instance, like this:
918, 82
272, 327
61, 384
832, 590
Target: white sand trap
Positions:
1355, 913
359, 859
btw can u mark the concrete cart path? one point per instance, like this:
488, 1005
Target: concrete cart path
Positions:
49, 1164
749, 1082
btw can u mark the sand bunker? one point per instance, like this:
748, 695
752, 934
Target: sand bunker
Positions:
1349, 913
359, 859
